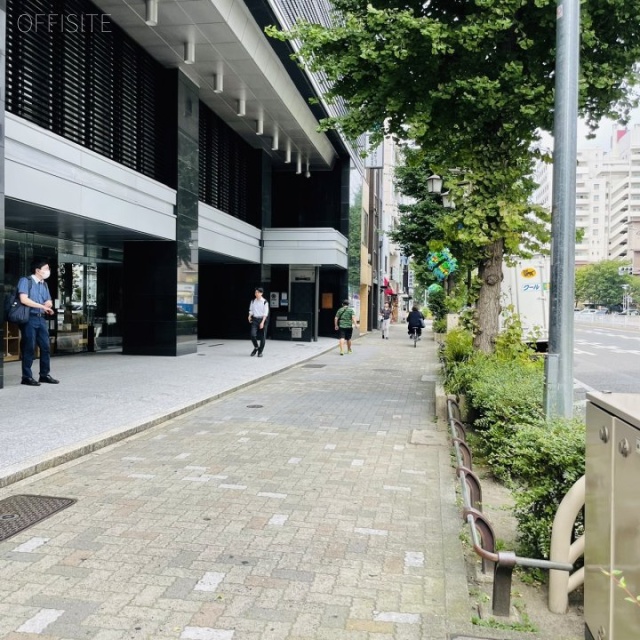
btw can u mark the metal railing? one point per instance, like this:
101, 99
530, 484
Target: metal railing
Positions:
562, 584
482, 536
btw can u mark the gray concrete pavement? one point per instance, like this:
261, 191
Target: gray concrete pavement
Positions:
105, 396
311, 516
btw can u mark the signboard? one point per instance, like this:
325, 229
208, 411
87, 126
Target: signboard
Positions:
327, 301
274, 299
296, 333
284, 299
303, 275
283, 323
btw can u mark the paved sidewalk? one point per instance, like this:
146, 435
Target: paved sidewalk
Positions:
294, 508
104, 396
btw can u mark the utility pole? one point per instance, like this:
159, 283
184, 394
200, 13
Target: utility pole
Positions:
558, 400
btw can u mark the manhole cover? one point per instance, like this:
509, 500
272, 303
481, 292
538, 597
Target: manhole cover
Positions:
255, 406
20, 512
313, 366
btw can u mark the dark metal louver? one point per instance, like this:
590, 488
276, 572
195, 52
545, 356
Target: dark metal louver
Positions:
95, 87
226, 163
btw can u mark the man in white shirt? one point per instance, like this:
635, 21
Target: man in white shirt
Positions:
258, 315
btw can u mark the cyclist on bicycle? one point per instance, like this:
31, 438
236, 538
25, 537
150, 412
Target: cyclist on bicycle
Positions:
415, 320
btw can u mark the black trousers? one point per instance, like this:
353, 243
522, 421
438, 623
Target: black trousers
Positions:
258, 334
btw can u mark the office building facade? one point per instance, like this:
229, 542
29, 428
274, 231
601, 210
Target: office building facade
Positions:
165, 158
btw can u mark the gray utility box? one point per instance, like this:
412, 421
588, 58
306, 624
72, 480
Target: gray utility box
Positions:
612, 516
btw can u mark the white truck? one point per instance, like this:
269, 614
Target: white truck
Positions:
526, 287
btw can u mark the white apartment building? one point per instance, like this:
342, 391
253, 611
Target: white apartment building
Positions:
607, 200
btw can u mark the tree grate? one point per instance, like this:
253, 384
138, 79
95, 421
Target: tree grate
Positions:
18, 513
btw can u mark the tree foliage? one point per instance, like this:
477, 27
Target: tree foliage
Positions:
355, 244
426, 225
472, 83
600, 284
462, 69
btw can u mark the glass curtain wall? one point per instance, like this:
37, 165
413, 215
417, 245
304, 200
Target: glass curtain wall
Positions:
86, 293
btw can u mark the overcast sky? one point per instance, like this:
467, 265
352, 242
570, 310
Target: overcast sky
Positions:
603, 133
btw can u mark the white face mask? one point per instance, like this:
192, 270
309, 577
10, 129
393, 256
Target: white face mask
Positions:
45, 274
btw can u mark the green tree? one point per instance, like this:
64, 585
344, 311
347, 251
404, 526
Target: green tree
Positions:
600, 283
472, 83
355, 243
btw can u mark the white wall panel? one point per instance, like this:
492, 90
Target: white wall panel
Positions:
47, 170
221, 233
311, 246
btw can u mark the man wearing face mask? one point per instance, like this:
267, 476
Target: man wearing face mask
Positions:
36, 296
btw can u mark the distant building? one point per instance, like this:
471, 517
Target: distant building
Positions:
607, 200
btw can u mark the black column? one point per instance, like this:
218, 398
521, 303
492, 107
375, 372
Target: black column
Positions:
3, 31
155, 273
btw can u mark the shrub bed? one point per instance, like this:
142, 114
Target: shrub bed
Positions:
538, 460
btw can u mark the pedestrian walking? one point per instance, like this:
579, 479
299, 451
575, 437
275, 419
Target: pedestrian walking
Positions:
258, 318
34, 293
345, 322
385, 316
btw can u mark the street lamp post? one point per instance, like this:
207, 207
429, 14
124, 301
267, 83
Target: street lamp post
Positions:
434, 183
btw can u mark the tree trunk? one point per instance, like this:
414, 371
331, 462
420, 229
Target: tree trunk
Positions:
488, 304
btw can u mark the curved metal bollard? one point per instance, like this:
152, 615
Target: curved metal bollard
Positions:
561, 550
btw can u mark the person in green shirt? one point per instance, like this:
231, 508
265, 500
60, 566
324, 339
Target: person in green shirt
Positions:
345, 322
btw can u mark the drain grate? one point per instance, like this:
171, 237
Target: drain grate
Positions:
255, 406
313, 366
18, 513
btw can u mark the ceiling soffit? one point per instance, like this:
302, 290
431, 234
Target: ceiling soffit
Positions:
227, 41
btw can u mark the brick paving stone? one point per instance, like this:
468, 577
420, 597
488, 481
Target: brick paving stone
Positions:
302, 521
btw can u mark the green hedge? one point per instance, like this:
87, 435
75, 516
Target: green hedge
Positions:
546, 460
503, 393
539, 460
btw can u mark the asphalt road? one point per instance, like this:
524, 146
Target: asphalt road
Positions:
607, 354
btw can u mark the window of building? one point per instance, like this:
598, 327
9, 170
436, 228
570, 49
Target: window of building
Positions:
596, 198
595, 220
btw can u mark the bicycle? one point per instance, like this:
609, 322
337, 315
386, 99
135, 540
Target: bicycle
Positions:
414, 336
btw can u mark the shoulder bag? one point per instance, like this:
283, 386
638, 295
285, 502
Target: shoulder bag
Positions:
16, 312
